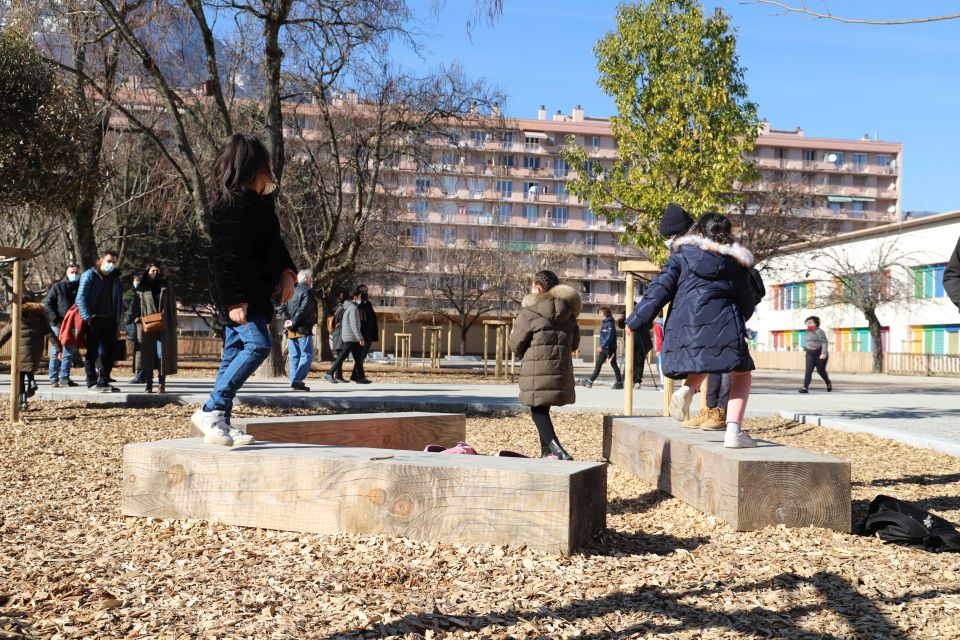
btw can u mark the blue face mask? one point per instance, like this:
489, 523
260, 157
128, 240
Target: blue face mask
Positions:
107, 267
72, 277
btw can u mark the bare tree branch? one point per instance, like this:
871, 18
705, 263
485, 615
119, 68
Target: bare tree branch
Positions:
801, 8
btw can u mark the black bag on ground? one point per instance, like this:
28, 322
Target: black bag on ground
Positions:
897, 521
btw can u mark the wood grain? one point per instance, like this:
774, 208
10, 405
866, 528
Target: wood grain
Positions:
748, 488
553, 506
412, 430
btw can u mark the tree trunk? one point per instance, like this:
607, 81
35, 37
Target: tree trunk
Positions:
275, 364
82, 233
464, 330
272, 112
876, 334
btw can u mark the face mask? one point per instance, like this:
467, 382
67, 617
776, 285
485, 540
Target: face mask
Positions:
669, 243
107, 267
269, 188
72, 277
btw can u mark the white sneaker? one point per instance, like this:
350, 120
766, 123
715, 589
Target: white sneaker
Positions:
214, 426
680, 403
738, 441
240, 437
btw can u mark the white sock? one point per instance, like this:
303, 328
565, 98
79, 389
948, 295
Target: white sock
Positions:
733, 428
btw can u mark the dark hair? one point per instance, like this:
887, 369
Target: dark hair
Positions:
356, 292
546, 280
240, 161
605, 311
72, 265
716, 227
110, 252
341, 296
815, 319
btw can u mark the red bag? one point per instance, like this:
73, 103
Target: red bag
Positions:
71, 329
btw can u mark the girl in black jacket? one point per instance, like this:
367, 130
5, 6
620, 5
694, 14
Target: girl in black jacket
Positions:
249, 263
707, 278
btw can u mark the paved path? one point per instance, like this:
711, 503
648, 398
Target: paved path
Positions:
923, 412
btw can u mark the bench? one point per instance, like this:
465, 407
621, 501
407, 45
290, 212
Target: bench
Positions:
748, 488
411, 430
552, 506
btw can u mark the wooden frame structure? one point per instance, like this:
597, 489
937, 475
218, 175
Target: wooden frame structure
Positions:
16, 256
646, 270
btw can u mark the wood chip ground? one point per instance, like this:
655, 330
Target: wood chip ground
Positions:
71, 567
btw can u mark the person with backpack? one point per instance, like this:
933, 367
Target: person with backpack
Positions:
544, 336
351, 334
58, 301
99, 301
249, 264
606, 349
706, 278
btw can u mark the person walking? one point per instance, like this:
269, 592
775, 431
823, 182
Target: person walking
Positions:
130, 329
606, 349
334, 322
99, 300
156, 327
299, 315
815, 345
57, 302
368, 321
544, 336
34, 330
351, 335
707, 280
249, 263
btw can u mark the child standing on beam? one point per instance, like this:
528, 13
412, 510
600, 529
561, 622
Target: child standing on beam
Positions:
707, 279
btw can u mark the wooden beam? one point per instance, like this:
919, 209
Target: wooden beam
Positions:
552, 506
411, 430
748, 488
16, 321
15, 252
638, 266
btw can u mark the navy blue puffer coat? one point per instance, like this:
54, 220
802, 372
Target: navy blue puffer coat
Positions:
709, 286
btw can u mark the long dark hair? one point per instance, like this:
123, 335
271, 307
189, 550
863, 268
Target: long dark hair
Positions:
240, 161
716, 227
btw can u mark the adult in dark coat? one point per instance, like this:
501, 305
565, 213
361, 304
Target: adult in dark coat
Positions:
99, 301
58, 301
34, 330
299, 315
249, 263
130, 329
951, 276
545, 335
368, 321
158, 349
707, 279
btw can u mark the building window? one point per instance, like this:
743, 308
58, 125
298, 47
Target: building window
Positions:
595, 142
589, 218
561, 215
422, 185
928, 281
506, 137
809, 155
935, 339
531, 142
508, 161
789, 340
563, 168
858, 339
793, 295
449, 235
883, 160
421, 208
836, 157
531, 190
835, 208
860, 161
531, 162
505, 188
505, 213
530, 213
449, 213
590, 239
858, 209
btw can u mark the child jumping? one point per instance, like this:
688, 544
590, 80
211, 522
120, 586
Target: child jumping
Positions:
707, 279
545, 336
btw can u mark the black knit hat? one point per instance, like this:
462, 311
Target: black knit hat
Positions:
675, 220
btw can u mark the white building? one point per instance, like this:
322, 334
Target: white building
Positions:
799, 284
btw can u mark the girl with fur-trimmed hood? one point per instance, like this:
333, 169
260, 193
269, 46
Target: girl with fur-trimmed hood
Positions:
545, 336
707, 279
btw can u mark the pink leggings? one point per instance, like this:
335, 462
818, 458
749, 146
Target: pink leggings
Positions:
739, 392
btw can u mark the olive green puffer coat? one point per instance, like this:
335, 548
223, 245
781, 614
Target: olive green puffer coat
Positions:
545, 335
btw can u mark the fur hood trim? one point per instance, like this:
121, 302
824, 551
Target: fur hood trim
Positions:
561, 292
736, 251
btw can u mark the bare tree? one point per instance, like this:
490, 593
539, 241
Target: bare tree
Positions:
867, 281
800, 7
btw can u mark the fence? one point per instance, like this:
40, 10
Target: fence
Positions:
187, 347
928, 364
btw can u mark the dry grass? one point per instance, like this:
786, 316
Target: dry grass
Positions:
71, 567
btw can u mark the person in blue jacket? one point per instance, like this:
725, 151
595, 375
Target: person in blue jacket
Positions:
607, 349
707, 280
99, 303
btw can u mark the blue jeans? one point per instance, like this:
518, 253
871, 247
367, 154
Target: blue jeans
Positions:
301, 356
245, 347
60, 369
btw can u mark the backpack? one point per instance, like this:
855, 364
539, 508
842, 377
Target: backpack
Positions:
897, 521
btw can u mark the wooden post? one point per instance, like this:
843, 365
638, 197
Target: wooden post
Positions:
450, 339
513, 356
498, 366
383, 336
485, 327
423, 346
16, 319
628, 363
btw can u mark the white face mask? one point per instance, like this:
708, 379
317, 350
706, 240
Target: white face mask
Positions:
669, 243
107, 267
269, 188
73, 277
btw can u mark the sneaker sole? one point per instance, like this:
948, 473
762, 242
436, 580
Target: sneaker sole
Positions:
680, 406
210, 438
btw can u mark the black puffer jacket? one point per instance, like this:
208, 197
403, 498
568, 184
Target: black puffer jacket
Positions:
545, 335
301, 310
59, 300
248, 254
710, 287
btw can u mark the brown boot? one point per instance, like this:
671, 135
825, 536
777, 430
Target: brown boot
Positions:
716, 420
697, 420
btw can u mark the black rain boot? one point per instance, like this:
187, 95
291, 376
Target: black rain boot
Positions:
555, 449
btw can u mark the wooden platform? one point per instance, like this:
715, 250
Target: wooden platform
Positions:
411, 430
553, 506
748, 488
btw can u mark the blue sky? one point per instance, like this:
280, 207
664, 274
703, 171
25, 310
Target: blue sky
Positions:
831, 79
